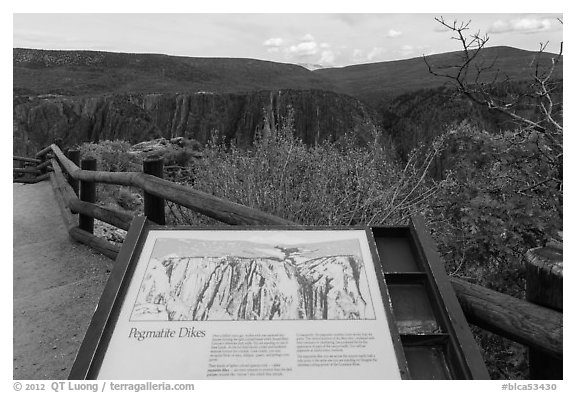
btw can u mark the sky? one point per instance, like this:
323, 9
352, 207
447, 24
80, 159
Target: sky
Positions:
326, 39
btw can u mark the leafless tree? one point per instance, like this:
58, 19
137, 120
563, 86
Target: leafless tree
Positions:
478, 79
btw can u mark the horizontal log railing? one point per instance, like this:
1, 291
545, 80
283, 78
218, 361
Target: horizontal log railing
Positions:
24, 166
99, 244
26, 159
113, 217
521, 321
33, 180
209, 205
26, 170
43, 165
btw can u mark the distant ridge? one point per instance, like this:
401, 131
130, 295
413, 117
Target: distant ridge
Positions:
91, 72
376, 81
68, 72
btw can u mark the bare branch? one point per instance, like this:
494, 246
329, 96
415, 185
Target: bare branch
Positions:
474, 88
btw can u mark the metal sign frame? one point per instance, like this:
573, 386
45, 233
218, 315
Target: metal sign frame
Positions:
429, 333
91, 359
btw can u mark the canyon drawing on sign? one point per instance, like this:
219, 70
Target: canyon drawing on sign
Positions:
241, 280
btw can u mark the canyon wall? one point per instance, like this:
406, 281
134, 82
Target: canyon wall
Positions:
317, 115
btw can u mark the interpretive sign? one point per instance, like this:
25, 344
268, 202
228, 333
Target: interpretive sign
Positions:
286, 303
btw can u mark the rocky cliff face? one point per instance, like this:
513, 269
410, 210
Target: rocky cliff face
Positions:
318, 115
239, 288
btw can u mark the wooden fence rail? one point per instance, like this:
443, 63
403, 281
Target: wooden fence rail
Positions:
113, 217
521, 321
43, 165
209, 205
33, 180
26, 170
26, 159
30, 166
536, 326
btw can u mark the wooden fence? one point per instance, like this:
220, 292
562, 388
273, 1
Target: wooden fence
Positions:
538, 327
29, 170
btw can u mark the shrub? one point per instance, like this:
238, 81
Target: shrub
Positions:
111, 156
497, 205
178, 156
128, 199
327, 184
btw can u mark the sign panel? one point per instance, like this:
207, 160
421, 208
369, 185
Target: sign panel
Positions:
254, 304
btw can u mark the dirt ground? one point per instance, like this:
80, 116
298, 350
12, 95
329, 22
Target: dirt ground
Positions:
56, 286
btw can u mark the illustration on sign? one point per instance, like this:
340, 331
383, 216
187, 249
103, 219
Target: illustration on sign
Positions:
246, 280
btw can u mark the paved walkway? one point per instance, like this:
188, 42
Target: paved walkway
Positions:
57, 285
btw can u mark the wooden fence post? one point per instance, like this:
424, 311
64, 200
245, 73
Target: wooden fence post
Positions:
544, 283
87, 194
43, 158
153, 205
74, 156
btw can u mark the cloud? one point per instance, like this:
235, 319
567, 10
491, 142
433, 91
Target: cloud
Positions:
274, 42
375, 53
308, 48
393, 33
358, 55
307, 38
523, 25
406, 50
305, 48
327, 57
